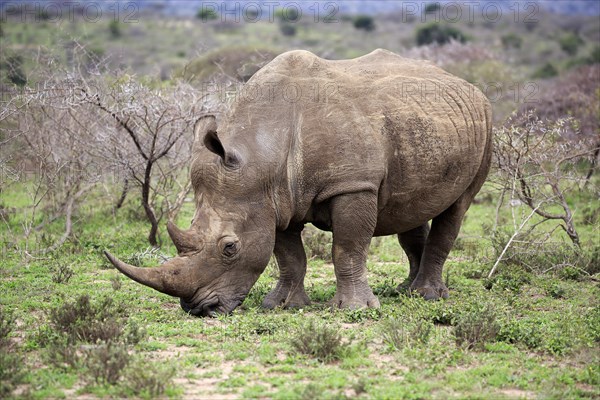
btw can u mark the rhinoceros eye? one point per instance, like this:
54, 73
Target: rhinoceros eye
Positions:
230, 249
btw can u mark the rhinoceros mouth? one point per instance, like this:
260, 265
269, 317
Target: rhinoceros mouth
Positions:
206, 308
210, 308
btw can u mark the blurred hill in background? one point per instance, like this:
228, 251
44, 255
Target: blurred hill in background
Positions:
514, 51
371, 7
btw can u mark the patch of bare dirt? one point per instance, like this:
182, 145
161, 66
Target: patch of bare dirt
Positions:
517, 394
206, 388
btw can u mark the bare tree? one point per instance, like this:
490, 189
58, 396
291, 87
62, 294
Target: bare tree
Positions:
537, 166
151, 141
83, 126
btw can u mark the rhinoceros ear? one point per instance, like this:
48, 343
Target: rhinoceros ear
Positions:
204, 124
213, 143
206, 134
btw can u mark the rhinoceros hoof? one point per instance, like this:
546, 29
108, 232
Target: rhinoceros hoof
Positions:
354, 301
278, 298
430, 291
404, 287
297, 300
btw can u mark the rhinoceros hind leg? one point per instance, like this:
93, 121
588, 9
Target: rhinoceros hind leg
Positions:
443, 233
413, 244
353, 218
291, 259
444, 229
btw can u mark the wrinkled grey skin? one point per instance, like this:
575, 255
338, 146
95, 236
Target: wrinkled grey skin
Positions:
367, 149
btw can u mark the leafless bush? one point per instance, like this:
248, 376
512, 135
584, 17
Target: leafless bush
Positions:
87, 125
575, 95
49, 152
538, 167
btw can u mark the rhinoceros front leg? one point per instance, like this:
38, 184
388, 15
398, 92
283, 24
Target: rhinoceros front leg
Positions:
353, 219
413, 244
291, 259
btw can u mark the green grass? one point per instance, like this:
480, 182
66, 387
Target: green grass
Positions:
548, 316
546, 344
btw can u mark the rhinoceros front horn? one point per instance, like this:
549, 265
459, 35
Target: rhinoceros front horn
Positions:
184, 241
176, 277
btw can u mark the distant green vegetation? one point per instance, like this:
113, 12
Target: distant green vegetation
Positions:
288, 14
364, 22
115, 29
438, 33
432, 8
547, 70
207, 14
570, 43
512, 40
287, 29
169, 45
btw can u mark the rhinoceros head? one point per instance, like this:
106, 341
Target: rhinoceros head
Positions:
232, 234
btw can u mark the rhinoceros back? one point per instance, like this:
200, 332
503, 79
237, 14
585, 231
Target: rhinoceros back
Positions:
420, 130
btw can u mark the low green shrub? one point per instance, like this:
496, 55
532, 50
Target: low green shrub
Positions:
148, 379
432, 8
570, 273
509, 278
361, 315
318, 340
7, 323
92, 337
207, 14
287, 29
476, 326
521, 331
387, 288
61, 272
400, 333
87, 321
592, 319
552, 336
105, 362
556, 290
